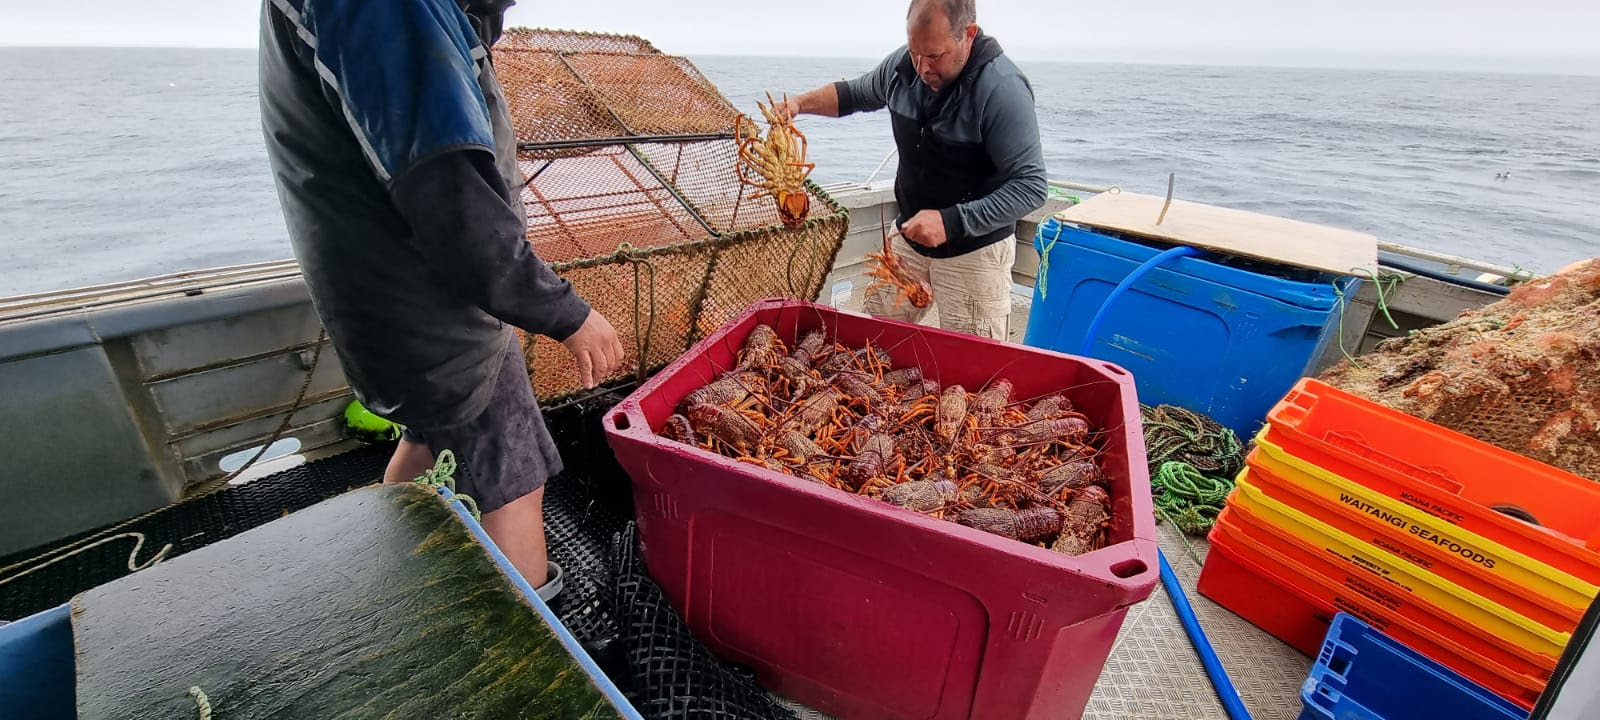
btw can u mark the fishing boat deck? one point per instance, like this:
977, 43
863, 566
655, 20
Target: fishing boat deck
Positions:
1153, 671
206, 331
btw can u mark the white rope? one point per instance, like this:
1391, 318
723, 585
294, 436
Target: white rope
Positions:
879, 169
133, 565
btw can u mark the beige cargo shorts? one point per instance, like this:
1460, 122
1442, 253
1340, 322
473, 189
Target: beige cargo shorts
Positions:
972, 292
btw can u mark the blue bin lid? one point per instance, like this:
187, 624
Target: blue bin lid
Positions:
1301, 287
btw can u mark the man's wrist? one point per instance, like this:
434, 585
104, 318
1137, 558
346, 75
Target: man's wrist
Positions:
953, 229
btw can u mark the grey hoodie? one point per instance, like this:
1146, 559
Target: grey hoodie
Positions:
971, 152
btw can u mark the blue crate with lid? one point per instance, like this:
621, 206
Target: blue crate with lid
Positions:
1363, 674
1222, 335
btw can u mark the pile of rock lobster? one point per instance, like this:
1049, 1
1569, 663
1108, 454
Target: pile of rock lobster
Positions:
848, 419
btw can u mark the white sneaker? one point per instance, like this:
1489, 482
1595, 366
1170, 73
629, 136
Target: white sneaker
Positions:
552, 584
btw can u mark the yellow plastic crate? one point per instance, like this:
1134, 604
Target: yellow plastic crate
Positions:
1397, 575
1513, 566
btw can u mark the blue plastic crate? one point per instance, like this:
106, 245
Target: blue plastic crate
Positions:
1362, 674
1219, 335
36, 667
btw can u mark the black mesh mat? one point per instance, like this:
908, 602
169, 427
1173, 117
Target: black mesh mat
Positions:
608, 602
611, 604
673, 675
583, 508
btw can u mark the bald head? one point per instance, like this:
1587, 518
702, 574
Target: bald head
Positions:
953, 14
939, 34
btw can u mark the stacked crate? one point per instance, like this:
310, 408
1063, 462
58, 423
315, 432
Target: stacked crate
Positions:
1477, 557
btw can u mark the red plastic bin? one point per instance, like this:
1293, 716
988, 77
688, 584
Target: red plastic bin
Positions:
1461, 480
861, 609
1274, 596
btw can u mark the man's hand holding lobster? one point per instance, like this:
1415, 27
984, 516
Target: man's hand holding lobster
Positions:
926, 228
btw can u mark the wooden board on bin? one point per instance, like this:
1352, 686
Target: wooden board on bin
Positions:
1237, 232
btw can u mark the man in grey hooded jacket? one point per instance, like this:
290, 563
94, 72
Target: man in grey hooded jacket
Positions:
970, 166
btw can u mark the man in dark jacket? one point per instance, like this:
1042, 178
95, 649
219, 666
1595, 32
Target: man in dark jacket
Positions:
396, 168
970, 166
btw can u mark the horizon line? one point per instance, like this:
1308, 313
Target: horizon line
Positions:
1319, 60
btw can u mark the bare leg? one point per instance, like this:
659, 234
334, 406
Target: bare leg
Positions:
410, 460
518, 528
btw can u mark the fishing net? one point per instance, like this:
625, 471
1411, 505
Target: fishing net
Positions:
633, 195
1522, 374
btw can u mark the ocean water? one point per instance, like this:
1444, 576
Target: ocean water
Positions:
123, 163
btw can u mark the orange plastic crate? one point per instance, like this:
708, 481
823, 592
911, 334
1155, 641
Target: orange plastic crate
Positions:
1275, 595
1495, 559
1393, 540
1466, 482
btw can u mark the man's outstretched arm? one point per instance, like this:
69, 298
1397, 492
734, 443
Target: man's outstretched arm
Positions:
864, 93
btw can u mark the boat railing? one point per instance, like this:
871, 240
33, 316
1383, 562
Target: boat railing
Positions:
871, 203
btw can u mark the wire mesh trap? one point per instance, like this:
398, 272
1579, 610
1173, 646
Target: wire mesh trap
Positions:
1522, 373
632, 193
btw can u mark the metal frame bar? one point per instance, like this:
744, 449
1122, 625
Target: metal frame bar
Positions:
648, 166
625, 140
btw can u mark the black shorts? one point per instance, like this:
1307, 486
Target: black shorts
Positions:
506, 452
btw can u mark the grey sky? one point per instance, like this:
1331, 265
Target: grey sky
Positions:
1534, 35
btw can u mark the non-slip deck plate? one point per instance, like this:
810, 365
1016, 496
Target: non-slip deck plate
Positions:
1154, 674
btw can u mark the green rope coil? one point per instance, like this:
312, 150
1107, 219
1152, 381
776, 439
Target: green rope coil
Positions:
443, 474
1174, 433
1187, 497
1192, 461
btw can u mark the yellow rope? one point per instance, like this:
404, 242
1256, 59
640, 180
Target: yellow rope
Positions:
201, 702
